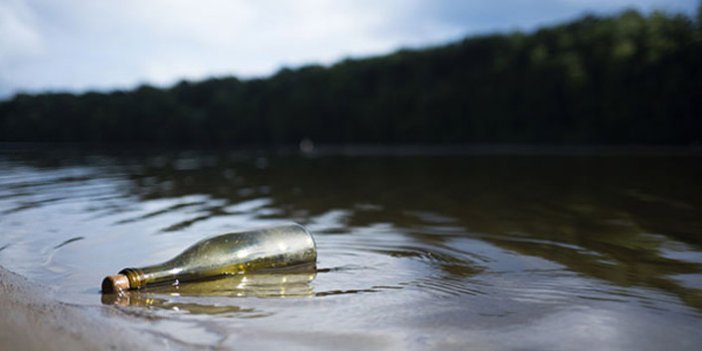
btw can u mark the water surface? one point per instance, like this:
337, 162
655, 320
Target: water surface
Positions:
417, 250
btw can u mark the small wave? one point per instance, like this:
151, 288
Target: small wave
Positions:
66, 242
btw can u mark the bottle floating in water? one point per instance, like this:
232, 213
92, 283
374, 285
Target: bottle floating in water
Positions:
281, 248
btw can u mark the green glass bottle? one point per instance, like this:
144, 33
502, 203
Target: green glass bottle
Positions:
279, 248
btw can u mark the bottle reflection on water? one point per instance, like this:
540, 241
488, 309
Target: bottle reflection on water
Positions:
280, 249
175, 297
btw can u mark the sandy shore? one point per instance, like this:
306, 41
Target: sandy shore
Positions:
31, 320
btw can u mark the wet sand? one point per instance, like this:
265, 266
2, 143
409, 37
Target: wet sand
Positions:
32, 320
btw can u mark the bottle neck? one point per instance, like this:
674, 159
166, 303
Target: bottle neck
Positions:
135, 276
156, 274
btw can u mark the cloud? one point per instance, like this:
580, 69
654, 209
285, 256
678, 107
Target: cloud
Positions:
80, 45
19, 38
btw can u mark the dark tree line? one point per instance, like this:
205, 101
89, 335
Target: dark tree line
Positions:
600, 80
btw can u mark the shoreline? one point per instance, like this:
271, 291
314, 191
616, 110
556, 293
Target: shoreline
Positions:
31, 321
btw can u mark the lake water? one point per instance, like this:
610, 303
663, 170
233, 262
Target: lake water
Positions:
417, 249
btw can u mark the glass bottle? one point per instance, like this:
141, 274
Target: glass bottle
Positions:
280, 248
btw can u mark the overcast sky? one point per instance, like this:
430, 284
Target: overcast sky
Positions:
107, 44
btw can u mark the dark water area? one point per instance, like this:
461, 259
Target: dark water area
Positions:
417, 248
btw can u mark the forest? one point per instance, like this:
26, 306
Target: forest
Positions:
629, 78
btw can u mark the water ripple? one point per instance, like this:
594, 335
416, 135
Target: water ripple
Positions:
66, 242
437, 243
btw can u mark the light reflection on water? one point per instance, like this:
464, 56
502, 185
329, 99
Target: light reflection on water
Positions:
415, 252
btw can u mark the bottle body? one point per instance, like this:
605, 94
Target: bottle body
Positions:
285, 247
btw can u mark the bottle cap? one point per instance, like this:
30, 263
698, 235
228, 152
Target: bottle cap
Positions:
115, 283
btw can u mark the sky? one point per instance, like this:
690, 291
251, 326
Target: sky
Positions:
77, 45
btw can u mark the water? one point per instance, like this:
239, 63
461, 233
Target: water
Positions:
417, 250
